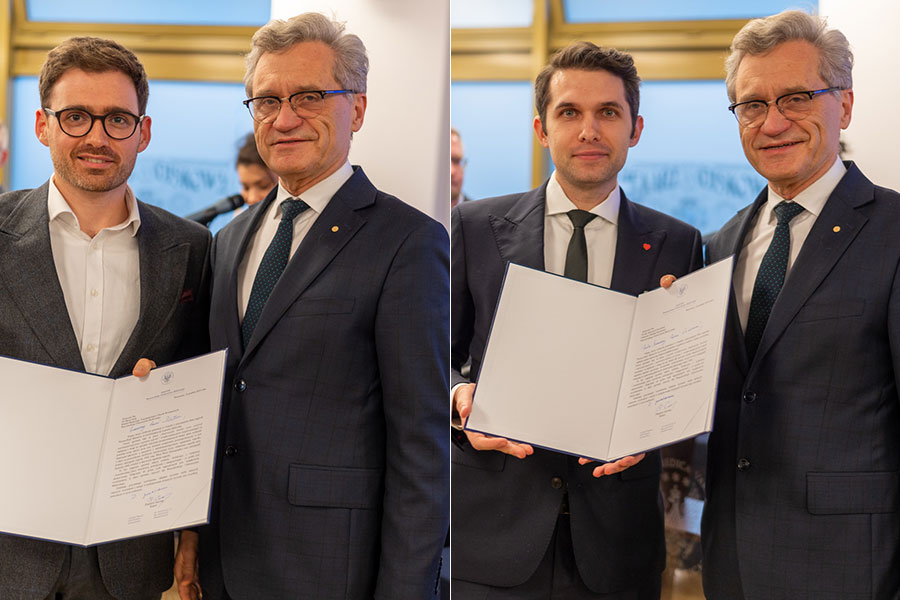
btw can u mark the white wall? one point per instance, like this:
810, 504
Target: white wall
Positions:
404, 144
872, 138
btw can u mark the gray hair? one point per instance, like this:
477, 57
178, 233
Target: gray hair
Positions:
759, 36
351, 65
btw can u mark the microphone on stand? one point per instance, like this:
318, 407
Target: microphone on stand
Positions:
219, 208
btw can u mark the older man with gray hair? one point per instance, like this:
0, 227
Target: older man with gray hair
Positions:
803, 494
332, 297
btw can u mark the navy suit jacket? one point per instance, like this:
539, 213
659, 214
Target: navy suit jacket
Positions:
35, 326
333, 459
505, 509
803, 494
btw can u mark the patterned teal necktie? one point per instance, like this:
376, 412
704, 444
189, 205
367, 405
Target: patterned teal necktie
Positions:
271, 266
576, 255
770, 277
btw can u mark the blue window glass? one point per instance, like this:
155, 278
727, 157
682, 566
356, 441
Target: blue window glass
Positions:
689, 162
165, 12
590, 11
496, 13
196, 129
494, 121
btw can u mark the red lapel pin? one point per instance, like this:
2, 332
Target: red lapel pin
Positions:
646, 246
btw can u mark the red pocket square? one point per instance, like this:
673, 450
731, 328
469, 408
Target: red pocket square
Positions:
186, 296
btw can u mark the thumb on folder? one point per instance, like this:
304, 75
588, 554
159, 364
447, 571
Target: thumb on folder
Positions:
462, 404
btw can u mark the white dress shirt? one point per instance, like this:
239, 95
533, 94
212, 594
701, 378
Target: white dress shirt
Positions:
100, 279
317, 197
600, 233
760, 234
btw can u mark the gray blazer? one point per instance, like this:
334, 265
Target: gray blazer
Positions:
333, 461
803, 491
35, 326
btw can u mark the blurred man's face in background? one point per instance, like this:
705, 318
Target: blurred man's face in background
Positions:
457, 168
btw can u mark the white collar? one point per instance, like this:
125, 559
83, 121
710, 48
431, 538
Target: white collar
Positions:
58, 208
814, 197
558, 202
318, 196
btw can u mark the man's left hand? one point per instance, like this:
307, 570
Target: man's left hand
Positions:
611, 468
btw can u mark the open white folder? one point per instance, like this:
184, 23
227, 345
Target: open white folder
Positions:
89, 459
587, 371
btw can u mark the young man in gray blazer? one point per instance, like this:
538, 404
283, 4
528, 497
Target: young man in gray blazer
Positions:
91, 279
332, 297
803, 492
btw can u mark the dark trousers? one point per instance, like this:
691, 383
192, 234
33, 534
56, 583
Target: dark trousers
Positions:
80, 578
556, 578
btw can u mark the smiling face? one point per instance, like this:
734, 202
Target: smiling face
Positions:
94, 163
304, 151
791, 155
588, 132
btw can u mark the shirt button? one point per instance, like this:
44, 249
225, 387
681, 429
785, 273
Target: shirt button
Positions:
556, 483
743, 464
90, 348
240, 385
95, 293
230, 451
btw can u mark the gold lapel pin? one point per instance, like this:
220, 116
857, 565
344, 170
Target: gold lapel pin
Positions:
836, 228
335, 228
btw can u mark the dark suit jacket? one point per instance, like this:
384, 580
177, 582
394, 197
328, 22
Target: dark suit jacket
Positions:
333, 469
35, 326
813, 509
505, 509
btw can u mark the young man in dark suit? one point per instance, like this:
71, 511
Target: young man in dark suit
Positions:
803, 494
91, 279
531, 523
333, 299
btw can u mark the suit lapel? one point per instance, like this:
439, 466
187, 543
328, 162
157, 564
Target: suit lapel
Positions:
637, 250
163, 263
229, 256
519, 234
821, 251
336, 226
728, 242
25, 242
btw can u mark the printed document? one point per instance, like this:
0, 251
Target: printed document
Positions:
92, 459
585, 370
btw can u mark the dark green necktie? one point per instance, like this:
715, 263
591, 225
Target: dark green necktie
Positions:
271, 266
576, 255
770, 277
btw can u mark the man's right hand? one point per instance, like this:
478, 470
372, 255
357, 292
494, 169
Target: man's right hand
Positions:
462, 405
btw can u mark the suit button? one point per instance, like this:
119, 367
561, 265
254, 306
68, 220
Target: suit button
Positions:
749, 397
556, 483
743, 464
230, 451
240, 385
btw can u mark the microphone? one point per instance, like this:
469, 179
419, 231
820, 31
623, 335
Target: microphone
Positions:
219, 208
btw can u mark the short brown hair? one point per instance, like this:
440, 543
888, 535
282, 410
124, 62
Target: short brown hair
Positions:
351, 64
586, 56
94, 55
248, 154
